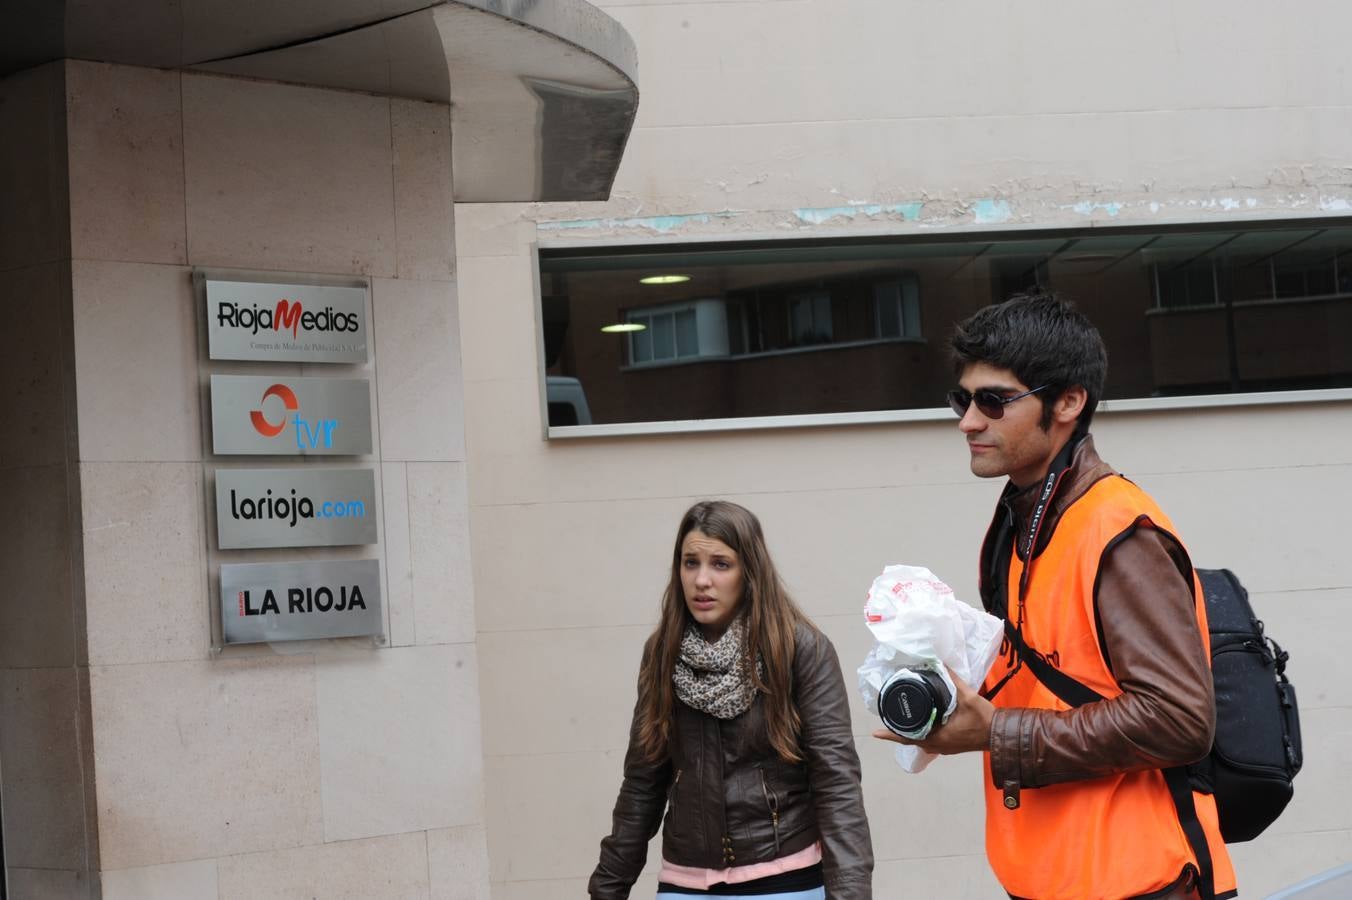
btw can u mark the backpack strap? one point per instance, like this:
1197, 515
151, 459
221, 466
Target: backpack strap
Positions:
1075, 693
1180, 789
1069, 690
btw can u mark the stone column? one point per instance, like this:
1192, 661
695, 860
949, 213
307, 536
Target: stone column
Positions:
255, 771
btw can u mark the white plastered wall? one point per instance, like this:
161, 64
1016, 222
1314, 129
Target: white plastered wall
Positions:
314, 769
841, 117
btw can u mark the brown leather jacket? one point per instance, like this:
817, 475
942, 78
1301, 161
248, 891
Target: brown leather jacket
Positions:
731, 801
1165, 715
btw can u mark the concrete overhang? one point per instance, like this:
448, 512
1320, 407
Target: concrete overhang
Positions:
543, 93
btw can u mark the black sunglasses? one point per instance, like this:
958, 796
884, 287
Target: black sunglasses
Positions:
991, 404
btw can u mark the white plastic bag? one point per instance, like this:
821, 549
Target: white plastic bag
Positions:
917, 621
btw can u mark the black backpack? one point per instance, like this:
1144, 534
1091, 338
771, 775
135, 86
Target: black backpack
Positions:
1256, 751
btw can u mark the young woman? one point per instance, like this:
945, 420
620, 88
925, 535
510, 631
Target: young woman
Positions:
741, 734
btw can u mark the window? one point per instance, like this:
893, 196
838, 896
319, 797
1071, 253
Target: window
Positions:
795, 327
1245, 267
1191, 284
810, 318
670, 333
665, 336
897, 307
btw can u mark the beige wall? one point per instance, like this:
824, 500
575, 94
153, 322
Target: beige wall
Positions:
335, 769
798, 117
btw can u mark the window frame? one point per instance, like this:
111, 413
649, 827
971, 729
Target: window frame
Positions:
649, 313
964, 233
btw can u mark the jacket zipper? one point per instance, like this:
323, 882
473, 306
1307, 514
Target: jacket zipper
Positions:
773, 802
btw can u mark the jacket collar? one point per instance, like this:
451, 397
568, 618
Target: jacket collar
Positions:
1086, 468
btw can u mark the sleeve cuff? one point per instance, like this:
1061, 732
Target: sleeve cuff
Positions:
1006, 740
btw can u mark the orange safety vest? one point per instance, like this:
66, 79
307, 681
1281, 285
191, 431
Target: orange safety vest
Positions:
1111, 837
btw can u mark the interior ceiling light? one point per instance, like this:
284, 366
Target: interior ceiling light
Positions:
664, 279
623, 327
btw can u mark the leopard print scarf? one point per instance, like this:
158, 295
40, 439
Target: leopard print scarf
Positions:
713, 677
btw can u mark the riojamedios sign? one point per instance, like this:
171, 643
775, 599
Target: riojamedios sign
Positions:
310, 323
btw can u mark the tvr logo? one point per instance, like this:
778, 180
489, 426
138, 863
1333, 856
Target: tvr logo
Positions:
309, 434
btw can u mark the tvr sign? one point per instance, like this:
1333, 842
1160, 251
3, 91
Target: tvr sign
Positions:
308, 434
291, 416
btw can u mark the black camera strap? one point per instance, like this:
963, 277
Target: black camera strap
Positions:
996, 567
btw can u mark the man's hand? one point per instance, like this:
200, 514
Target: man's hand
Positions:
969, 728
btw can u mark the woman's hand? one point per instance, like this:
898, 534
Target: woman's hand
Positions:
969, 728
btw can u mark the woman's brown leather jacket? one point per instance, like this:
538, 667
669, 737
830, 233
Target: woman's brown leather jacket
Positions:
731, 801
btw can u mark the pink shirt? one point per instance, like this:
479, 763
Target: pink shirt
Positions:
703, 879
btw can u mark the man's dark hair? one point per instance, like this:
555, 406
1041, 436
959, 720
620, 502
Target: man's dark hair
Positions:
1041, 338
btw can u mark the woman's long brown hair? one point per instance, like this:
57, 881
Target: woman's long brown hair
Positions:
772, 618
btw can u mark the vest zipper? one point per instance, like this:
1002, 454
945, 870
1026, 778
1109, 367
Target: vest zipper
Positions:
772, 802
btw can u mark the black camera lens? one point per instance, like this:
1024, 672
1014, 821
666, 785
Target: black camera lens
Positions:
912, 700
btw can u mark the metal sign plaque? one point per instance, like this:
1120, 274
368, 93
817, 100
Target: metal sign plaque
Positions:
285, 322
299, 507
300, 601
282, 415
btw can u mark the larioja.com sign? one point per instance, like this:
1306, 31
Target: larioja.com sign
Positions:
263, 602
296, 507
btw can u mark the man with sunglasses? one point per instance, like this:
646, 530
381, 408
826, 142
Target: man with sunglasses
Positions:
1103, 690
